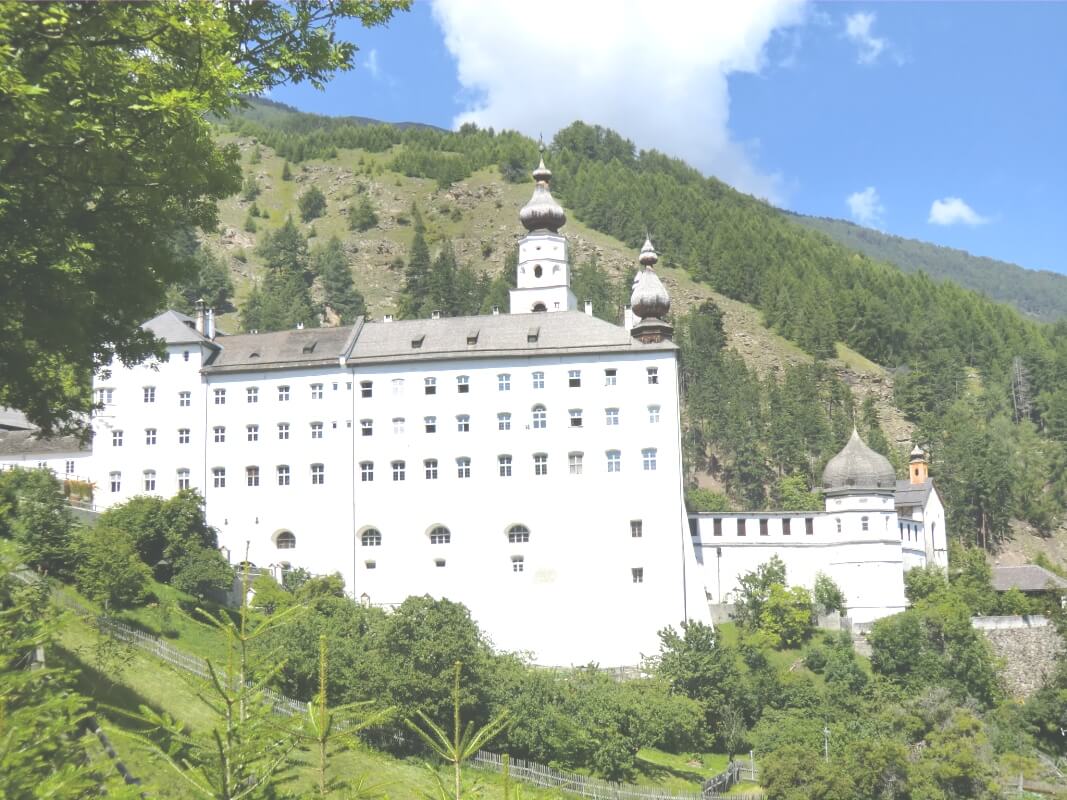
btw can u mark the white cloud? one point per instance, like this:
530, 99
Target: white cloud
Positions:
371, 63
656, 75
858, 30
866, 207
953, 211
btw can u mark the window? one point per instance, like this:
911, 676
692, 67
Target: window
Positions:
283, 394
398, 425
463, 467
638, 574
185, 399
252, 433
431, 424
316, 391
576, 417
366, 471
614, 461
574, 378
610, 377
636, 529
648, 459
611, 416
763, 527
285, 541
439, 534
183, 479
318, 474
220, 434
107, 396
864, 523
366, 427
218, 475
316, 430
540, 464
116, 438
463, 385
741, 527
220, 397
653, 374
504, 465
431, 468
539, 380
252, 476
716, 527
837, 520
540, 420
438, 562
115, 479
70, 467
399, 471
150, 394
785, 526
574, 463
150, 436
366, 388
809, 526
398, 386
252, 394
503, 382
283, 474
653, 414
371, 537
185, 355
518, 534
463, 423
149, 480
518, 564
503, 421
429, 385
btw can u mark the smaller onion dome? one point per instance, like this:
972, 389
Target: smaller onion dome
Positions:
917, 454
542, 212
649, 299
857, 469
648, 255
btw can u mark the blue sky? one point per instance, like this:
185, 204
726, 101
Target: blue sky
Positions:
944, 122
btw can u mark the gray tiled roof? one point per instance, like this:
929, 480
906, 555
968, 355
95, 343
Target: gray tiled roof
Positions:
20, 443
280, 349
913, 494
176, 328
555, 333
1028, 578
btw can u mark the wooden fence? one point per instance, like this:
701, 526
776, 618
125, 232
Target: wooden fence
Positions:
519, 769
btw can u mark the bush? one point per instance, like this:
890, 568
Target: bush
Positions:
203, 572
312, 204
109, 569
815, 658
828, 595
698, 499
362, 217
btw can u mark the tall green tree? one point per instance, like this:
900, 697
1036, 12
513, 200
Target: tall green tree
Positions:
417, 273
312, 204
284, 299
95, 192
339, 291
362, 217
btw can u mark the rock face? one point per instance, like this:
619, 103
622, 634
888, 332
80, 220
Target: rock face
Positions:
1028, 647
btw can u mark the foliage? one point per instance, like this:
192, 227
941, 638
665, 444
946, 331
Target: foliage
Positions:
312, 204
141, 155
700, 499
162, 529
755, 590
202, 572
339, 292
35, 515
109, 569
284, 300
785, 616
362, 217
828, 595
211, 283
792, 494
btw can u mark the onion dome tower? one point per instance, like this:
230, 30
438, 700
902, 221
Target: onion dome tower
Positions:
543, 279
858, 470
918, 466
649, 300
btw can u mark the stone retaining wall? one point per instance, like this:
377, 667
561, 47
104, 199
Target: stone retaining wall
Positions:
1028, 651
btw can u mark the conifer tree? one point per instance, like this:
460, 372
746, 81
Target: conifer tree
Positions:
340, 293
312, 204
362, 217
442, 282
284, 300
287, 174
416, 276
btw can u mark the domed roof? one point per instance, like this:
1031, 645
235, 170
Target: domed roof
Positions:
649, 298
857, 467
542, 212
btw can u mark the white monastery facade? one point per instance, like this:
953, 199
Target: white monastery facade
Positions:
527, 464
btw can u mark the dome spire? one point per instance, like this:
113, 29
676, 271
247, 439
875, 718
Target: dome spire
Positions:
649, 300
542, 212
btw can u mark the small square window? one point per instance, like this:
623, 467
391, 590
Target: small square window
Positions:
611, 416
366, 388
463, 423
653, 374
283, 394
439, 562
370, 564
220, 434
574, 378
576, 417
503, 382
610, 377
638, 574
316, 430
185, 399
429, 385
636, 529
518, 564
366, 427
463, 384
430, 424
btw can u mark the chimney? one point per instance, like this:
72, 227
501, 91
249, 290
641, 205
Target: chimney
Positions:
589, 307
435, 315
300, 326
628, 318
387, 318
209, 324
918, 468
200, 316
496, 311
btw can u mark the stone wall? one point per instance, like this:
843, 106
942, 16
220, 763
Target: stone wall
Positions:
1028, 647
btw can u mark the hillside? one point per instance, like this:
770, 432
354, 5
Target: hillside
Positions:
1037, 293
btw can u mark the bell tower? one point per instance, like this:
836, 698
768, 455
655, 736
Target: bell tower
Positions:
543, 279
918, 467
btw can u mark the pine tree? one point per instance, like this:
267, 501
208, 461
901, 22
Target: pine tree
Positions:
416, 277
312, 204
287, 174
362, 217
340, 294
284, 300
442, 282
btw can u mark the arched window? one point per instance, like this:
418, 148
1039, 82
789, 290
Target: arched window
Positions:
540, 417
285, 540
439, 534
371, 537
518, 534
537, 273
538, 307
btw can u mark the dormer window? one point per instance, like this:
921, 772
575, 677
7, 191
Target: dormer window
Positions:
472, 338
416, 343
533, 334
309, 347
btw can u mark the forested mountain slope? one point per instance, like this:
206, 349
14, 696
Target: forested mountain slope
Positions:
1037, 293
419, 207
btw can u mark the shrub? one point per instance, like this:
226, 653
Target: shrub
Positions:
312, 204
